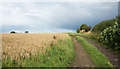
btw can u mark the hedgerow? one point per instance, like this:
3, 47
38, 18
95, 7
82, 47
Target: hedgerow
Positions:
111, 36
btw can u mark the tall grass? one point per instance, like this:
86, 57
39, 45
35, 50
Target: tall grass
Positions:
0, 64
58, 55
20, 45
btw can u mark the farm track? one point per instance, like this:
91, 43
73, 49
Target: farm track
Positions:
82, 59
112, 57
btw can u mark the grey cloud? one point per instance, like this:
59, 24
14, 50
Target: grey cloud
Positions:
57, 17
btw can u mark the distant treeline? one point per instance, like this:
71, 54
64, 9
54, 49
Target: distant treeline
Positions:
16, 32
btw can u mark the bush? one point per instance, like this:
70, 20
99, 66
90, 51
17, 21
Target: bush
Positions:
82, 27
78, 30
26, 32
97, 29
111, 36
118, 19
87, 29
12, 32
95, 36
104, 24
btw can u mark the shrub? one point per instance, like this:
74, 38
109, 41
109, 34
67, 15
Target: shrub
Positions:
12, 32
82, 27
111, 36
87, 29
118, 19
95, 36
78, 30
26, 31
104, 24
97, 29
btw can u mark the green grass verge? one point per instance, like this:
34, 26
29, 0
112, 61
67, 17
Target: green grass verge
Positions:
59, 55
74, 34
0, 64
97, 57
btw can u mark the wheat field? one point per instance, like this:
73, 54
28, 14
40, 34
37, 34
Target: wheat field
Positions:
24, 45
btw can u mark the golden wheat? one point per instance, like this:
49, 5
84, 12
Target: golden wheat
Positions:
24, 45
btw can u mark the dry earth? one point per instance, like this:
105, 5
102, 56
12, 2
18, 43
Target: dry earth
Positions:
82, 59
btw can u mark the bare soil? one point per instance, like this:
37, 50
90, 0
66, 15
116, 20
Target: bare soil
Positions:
112, 57
82, 59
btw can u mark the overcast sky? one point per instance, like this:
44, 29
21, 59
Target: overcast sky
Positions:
53, 17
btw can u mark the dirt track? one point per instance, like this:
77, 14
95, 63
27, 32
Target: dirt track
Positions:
82, 59
112, 57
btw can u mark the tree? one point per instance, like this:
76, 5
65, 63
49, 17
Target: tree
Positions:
78, 30
82, 27
12, 32
26, 32
87, 28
